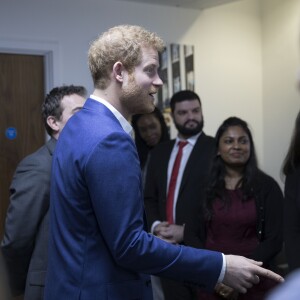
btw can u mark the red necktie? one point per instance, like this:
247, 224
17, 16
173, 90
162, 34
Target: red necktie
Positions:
172, 184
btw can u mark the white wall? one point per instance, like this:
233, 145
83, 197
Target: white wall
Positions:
280, 24
72, 25
228, 65
237, 70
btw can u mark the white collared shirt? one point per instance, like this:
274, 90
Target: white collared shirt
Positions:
186, 152
124, 123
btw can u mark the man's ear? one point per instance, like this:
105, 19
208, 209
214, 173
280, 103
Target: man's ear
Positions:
118, 71
52, 122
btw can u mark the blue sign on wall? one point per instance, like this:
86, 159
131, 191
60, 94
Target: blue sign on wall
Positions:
11, 133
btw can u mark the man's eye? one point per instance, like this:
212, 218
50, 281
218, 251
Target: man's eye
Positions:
151, 71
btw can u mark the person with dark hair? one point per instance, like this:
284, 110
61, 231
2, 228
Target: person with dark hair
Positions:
242, 211
149, 130
186, 111
25, 240
291, 169
57, 108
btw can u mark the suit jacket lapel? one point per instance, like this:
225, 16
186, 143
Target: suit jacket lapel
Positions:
164, 165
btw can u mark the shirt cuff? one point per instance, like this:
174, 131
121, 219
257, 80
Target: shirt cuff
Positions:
222, 274
154, 225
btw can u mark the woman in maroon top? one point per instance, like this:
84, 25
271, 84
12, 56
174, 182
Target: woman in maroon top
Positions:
242, 213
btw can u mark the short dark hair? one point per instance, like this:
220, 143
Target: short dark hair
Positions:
185, 95
52, 103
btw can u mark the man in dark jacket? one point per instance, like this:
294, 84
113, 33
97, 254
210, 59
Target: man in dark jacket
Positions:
25, 241
188, 183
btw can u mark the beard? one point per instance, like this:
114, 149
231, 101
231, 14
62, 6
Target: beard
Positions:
135, 99
187, 131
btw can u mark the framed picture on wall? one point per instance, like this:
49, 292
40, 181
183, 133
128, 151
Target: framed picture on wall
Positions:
176, 72
175, 58
189, 67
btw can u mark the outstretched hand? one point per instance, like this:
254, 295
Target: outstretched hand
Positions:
242, 273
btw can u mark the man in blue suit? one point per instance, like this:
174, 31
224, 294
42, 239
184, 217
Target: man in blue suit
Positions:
99, 248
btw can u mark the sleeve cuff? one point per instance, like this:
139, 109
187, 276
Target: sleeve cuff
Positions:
222, 273
154, 225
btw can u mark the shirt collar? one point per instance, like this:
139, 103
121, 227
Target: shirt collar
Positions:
124, 123
191, 140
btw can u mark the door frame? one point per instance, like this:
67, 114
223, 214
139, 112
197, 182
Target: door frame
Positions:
49, 50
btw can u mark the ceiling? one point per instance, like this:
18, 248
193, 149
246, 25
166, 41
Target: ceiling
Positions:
192, 4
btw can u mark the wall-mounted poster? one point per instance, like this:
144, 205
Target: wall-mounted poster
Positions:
175, 57
189, 67
176, 72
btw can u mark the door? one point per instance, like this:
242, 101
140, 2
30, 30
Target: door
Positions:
21, 127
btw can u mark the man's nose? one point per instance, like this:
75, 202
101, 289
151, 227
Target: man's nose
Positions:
191, 115
158, 81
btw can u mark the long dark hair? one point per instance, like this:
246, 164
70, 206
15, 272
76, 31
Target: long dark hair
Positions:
142, 148
216, 184
292, 159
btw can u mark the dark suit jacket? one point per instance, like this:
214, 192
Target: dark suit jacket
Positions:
194, 176
25, 241
98, 248
292, 219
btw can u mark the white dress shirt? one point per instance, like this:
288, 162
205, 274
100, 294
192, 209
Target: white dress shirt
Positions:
186, 152
124, 123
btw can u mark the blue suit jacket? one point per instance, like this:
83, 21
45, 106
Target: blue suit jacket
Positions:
98, 246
